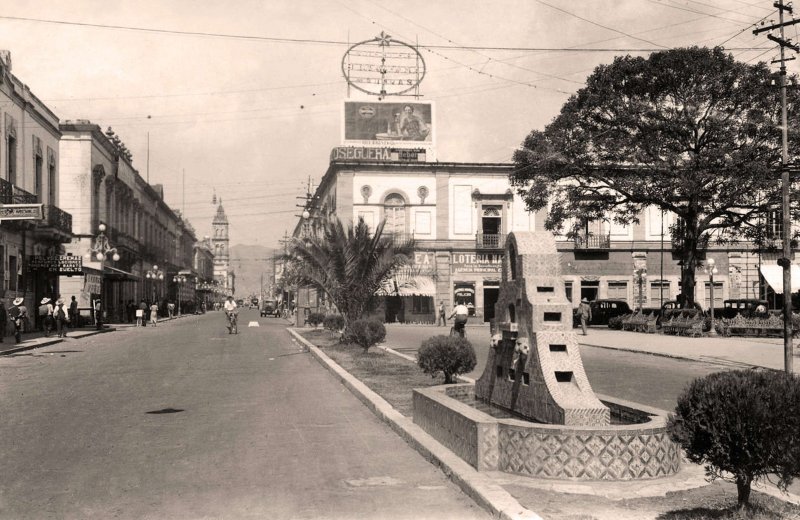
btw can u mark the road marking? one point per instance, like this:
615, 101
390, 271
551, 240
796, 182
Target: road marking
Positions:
253, 324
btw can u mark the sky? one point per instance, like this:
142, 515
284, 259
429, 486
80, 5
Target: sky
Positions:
243, 99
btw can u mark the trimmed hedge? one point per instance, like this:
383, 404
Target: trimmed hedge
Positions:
450, 355
742, 425
333, 322
316, 318
366, 333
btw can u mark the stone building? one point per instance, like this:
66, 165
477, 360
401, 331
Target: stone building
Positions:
220, 243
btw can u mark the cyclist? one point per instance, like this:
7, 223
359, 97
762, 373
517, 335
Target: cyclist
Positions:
230, 314
460, 313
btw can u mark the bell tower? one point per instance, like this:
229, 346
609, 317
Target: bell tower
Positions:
220, 242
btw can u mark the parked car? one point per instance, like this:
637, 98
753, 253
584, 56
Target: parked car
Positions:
602, 311
268, 308
747, 307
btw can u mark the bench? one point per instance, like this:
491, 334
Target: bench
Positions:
640, 322
741, 326
683, 326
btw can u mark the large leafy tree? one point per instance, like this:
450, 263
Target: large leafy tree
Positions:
690, 131
350, 263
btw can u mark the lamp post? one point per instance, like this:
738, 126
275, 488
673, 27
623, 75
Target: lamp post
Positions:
179, 280
98, 250
711, 270
155, 274
639, 275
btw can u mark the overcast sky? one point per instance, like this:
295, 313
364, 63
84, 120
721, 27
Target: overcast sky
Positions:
250, 117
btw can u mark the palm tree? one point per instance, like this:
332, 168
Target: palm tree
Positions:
349, 263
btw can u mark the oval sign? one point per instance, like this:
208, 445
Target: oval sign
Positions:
383, 66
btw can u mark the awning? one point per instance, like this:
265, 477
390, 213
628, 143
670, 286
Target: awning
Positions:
119, 274
773, 274
419, 285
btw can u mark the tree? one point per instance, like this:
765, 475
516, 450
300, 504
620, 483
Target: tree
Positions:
450, 355
743, 425
349, 263
689, 131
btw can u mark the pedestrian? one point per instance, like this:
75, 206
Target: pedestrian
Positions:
60, 313
584, 313
3, 321
171, 309
154, 314
143, 307
73, 313
442, 321
46, 316
18, 313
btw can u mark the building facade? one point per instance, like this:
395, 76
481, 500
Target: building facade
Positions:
220, 243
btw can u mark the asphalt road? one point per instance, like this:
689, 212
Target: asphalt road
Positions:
185, 421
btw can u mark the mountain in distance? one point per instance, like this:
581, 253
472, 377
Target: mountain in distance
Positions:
249, 263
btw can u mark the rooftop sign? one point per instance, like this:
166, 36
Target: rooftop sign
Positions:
383, 66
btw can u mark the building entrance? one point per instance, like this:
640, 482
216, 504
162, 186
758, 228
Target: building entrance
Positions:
589, 289
490, 295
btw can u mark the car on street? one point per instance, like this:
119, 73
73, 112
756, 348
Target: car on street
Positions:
268, 308
602, 311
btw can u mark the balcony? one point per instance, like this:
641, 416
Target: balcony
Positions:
56, 224
10, 194
593, 242
487, 241
125, 241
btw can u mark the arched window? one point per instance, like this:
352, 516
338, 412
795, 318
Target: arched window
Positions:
394, 211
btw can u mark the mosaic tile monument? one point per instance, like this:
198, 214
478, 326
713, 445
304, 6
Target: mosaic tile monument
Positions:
534, 368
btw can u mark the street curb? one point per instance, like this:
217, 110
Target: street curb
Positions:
480, 488
53, 341
712, 361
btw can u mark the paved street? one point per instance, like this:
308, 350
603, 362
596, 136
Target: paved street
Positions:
185, 421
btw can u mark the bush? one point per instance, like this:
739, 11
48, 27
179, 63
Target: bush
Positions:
451, 355
366, 333
315, 318
333, 322
616, 322
742, 425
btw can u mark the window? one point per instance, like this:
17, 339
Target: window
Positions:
568, 290
422, 304
618, 290
422, 224
394, 212
12, 159
774, 224
659, 291
37, 181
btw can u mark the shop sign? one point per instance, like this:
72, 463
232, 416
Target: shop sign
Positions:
61, 264
93, 283
477, 263
20, 211
423, 259
350, 153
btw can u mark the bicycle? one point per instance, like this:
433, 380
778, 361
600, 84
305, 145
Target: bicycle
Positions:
459, 328
232, 325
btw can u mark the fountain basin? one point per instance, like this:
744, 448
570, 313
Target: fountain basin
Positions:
635, 446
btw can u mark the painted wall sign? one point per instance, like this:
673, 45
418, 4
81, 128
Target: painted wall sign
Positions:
62, 264
352, 153
93, 283
477, 263
383, 66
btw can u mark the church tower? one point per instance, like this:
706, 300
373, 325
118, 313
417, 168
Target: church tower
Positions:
220, 242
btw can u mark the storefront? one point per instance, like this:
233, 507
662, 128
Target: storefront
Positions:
476, 281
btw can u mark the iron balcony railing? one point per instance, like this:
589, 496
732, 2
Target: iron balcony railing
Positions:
593, 242
490, 241
55, 217
10, 194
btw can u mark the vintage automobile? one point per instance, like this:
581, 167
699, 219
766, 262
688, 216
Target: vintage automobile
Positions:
268, 308
602, 311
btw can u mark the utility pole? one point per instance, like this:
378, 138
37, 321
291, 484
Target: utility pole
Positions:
786, 260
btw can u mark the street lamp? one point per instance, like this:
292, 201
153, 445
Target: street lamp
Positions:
180, 280
98, 250
639, 276
155, 274
711, 270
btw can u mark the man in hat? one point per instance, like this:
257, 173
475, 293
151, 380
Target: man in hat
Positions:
18, 313
46, 315
230, 314
60, 313
584, 313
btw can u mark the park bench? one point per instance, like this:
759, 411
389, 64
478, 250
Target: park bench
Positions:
640, 322
754, 326
683, 326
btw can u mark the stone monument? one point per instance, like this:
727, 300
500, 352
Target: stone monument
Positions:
534, 368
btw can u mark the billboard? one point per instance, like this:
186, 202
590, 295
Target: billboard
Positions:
407, 124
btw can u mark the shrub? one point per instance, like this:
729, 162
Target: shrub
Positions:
366, 333
451, 355
315, 318
742, 425
333, 322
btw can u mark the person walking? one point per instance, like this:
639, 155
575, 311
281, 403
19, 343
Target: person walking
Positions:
171, 310
3, 321
154, 314
144, 308
18, 313
61, 315
442, 321
584, 313
46, 316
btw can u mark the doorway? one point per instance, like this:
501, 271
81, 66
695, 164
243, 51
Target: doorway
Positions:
589, 289
490, 296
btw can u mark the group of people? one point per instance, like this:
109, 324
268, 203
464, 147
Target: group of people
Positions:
53, 315
145, 312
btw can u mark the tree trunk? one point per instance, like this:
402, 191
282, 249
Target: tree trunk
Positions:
689, 253
743, 490
448, 378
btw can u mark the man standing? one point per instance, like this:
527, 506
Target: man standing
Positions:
73, 313
46, 315
61, 317
18, 313
171, 310
442, 321
584, 313
3, 320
